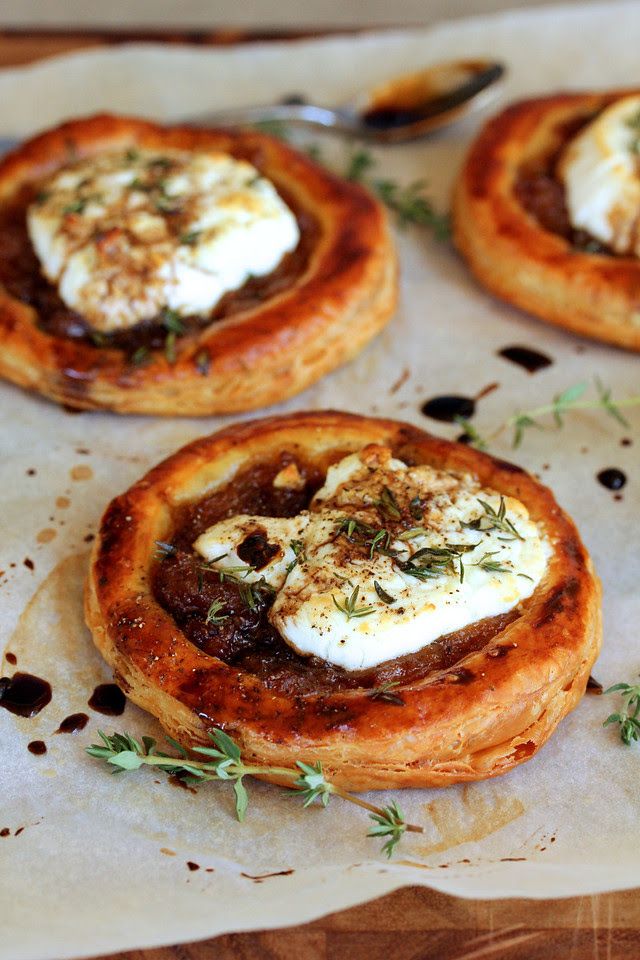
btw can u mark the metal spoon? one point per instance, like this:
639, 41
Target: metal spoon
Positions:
402, 109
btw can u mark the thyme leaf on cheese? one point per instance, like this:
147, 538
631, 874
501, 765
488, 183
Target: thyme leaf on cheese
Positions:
634, 124
495, 519
349, 606
222, 760
568, 401
382, 593
628, 717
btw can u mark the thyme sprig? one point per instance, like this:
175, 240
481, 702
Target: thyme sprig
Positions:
628, 716
349, 606
223, 761
377, 539
495, 519
410, 203
568, 401
432, 562
214, 616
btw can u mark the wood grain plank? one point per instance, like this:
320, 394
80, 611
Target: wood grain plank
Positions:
420, 924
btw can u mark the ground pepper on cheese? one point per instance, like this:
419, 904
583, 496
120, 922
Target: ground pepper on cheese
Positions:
387, 559
125, 235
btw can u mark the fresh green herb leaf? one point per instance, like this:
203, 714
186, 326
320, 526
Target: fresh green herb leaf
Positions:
382, 593
628, 718
390, 823
388, 505
203, 362
214, 616
386, 693
222, 761
140, 356
350, 607
190, 238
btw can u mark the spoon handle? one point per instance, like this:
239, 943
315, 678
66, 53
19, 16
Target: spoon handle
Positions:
302, 113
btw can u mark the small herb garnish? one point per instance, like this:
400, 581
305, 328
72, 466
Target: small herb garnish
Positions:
170, 319
634, 124
140, 356
41, 197
410, 204
382, 593
412, 533
385, 692
203, 362
132, 155
376, 539
223, 761
256, 593
629, 716
390, 823
567, 401
416, 508
494, 519
491, 566
165, 550
432, 562
388, 505
213, 613
350, 608
191, 238
299, 555
98, 339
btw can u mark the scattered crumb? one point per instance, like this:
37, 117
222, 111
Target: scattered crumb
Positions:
62, 503
167, 852
402, 379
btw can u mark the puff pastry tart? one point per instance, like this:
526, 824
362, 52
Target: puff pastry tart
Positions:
331, 587
546, 211
171, 270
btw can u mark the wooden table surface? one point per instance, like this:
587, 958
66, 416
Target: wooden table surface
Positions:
414, 923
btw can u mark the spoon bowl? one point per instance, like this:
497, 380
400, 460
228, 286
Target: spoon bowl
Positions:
405, 108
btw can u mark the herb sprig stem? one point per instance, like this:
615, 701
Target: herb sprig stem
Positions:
570, 400
223, 761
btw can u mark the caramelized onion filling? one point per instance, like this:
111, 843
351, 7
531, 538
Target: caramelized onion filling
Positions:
243, 637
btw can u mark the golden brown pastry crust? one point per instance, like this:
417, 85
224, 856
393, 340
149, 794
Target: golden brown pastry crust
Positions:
513, 255
257, 357
477, 719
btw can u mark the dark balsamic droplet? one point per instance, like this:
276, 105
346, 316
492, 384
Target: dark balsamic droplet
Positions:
531, 360
446, 408
24, 694
73, 723
37, 747
193, 866
5, 832
108, 698
594, 686
612, 478
11, 658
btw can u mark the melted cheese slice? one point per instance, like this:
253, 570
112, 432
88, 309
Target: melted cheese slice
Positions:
355, 602
125, 236
600, 169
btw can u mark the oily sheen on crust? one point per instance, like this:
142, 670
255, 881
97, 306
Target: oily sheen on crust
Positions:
477, 718
513, 255
344, 296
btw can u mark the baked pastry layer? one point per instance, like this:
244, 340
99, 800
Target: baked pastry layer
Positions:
264, 343
472, 705
538, 262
